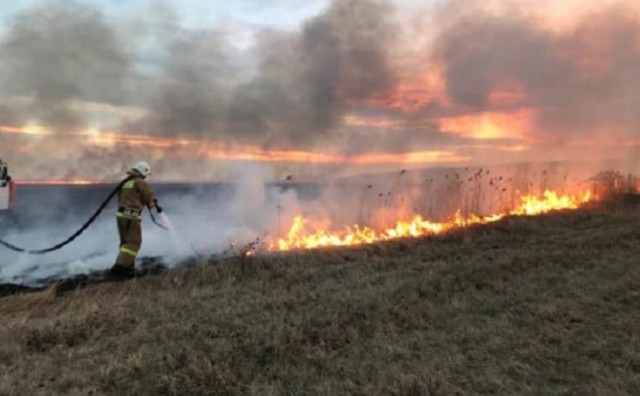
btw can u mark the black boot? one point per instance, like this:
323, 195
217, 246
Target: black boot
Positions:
120, 272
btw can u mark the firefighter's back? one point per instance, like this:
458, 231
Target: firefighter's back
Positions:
129, 196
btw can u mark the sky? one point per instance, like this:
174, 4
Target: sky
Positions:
315, 88
199, 13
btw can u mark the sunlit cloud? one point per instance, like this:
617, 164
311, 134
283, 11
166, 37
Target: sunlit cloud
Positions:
388, 84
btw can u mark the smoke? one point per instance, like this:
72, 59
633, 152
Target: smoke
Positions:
62, 51
362, 77
305, 80
64, 63
189, 96
212, 219
580, 81
206, 220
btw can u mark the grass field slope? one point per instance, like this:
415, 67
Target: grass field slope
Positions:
525, 306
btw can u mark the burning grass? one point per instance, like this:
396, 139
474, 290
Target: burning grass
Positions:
299, 236
544, 305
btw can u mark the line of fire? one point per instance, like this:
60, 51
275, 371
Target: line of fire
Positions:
463, 198
414, 206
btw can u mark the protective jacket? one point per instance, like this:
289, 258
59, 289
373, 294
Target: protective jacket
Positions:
134, 195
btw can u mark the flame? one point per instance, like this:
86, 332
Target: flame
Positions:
417, 227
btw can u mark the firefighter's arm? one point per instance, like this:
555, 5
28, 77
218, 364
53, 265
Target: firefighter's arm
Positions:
146, 194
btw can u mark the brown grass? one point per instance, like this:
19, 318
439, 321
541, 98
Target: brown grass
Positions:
541, 306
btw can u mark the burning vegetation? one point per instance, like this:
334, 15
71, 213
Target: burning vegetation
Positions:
416, 206
302, 236
613, 185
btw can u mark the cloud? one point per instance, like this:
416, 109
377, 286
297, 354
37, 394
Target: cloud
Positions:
64, 50
423, 78
579, 82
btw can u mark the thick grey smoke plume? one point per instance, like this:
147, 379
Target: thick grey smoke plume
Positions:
580, 82
61, 51
58, 52
69, 67
299, 91
64, 63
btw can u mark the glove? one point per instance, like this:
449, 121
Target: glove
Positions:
158, 208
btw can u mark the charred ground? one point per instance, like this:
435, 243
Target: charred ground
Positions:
543, 305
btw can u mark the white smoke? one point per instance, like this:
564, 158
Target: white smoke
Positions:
205, 222
212, 220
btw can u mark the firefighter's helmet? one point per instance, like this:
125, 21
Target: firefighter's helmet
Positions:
143, 168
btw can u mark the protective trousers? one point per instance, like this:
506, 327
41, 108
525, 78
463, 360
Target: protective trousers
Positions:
130, 230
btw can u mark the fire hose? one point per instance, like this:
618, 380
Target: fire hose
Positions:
81, 230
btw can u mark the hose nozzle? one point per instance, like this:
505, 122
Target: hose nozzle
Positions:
158, 208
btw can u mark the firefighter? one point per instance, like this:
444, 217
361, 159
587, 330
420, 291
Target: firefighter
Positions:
4, 173
134, 195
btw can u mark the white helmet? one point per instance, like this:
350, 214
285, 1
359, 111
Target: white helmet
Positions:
143, 168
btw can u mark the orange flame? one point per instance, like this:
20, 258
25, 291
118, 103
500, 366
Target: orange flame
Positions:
417, 227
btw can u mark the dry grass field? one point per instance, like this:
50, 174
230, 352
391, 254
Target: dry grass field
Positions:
527, 306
